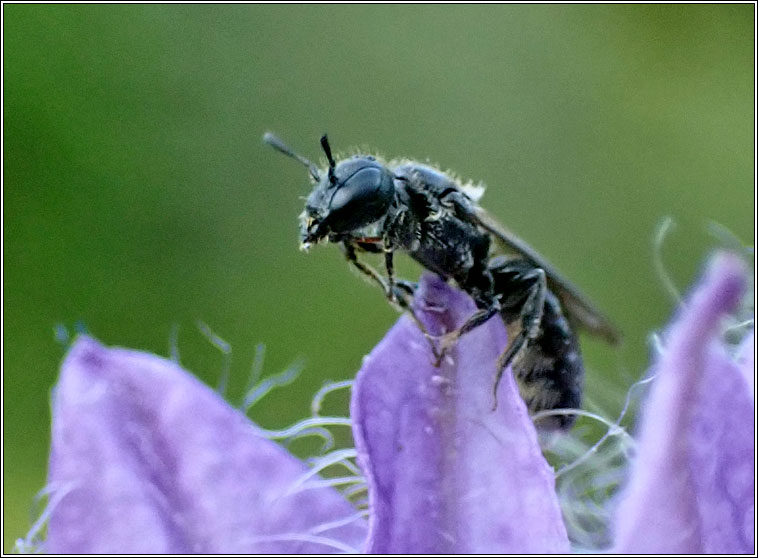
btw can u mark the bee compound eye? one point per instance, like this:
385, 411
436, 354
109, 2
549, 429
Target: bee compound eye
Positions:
361, 199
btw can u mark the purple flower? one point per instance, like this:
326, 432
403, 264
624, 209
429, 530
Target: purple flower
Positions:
150, 460
145, 458
446, 474
691, 487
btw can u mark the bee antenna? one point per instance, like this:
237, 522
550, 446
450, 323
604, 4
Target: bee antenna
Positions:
328, 151
280, 146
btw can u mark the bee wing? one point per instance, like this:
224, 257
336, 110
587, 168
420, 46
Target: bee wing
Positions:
577, 307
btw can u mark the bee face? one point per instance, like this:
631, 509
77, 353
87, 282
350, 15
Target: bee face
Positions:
355, 193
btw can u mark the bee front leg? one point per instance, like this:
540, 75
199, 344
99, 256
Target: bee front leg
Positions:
390, 267
398, 293
352, 257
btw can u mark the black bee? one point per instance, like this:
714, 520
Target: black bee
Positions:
369, 206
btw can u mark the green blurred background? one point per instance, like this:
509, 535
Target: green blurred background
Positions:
138, 196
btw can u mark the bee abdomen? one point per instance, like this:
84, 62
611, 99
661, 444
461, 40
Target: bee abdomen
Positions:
549, 370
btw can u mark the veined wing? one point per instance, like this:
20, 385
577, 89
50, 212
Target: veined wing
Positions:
577, 307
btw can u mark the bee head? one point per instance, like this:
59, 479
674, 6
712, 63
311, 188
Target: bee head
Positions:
355, 193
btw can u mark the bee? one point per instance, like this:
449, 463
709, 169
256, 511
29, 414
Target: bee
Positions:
368, 206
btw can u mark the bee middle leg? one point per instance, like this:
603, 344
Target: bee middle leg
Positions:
480, 286
478, 318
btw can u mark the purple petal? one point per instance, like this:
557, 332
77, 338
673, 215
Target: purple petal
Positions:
153, 461
446, 473
746, 360
691, 489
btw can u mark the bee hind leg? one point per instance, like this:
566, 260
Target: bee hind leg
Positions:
524, 289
